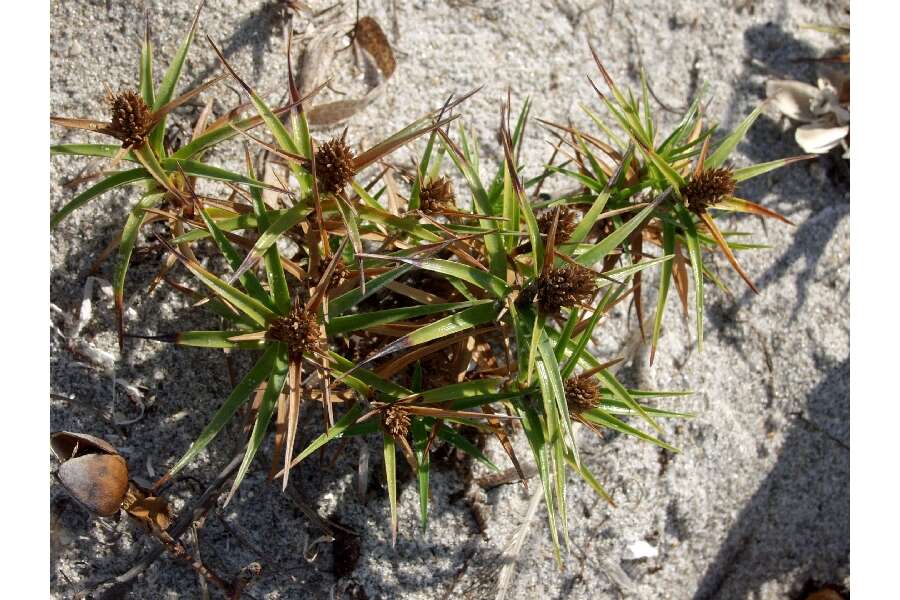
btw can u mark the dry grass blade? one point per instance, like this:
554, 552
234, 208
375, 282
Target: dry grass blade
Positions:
295, 376
170, 106
280, 431
726, 249
637, 254
501, 435
364, 159
702, 159
322, 287
601, 145
85, 124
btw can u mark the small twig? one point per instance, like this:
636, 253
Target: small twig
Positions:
195, 544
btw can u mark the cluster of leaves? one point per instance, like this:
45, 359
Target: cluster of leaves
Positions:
414, 316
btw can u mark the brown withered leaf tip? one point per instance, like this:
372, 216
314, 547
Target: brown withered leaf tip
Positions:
582, 393
395, 421
299, 331
131, 118
568, 220
561, 286
437, 196
334, 165
708, 188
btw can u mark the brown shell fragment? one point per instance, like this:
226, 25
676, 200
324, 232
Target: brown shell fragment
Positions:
97, 481
65, 443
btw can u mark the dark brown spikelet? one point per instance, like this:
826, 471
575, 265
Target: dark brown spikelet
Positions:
708, 188
395, 421
562, 286
340, 274
437, 196
568, 220
131, 118
334, 165
299, 331
582, 393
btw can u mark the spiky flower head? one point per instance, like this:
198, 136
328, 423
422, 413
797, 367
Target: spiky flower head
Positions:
131, 118
395, 421
299, 330
582, 393
708, 188
568, 220
436, 196
561, 286
334, 165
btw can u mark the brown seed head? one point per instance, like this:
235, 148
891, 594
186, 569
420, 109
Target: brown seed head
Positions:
437, 196
338, 275
131, 118
334, 165
299, 331
563, 286
708, 188
568, 220
395, 421
582, 393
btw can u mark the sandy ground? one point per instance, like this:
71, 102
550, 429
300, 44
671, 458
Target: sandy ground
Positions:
755, 505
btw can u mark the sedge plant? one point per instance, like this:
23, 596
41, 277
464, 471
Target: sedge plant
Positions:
416, 310
138, 121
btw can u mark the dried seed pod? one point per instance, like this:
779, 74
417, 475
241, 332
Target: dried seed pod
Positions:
708, 188
334, 165
299, 331
437, 196
92, 471
559, 287
395, 421
568, 220
131, 118
582, 393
